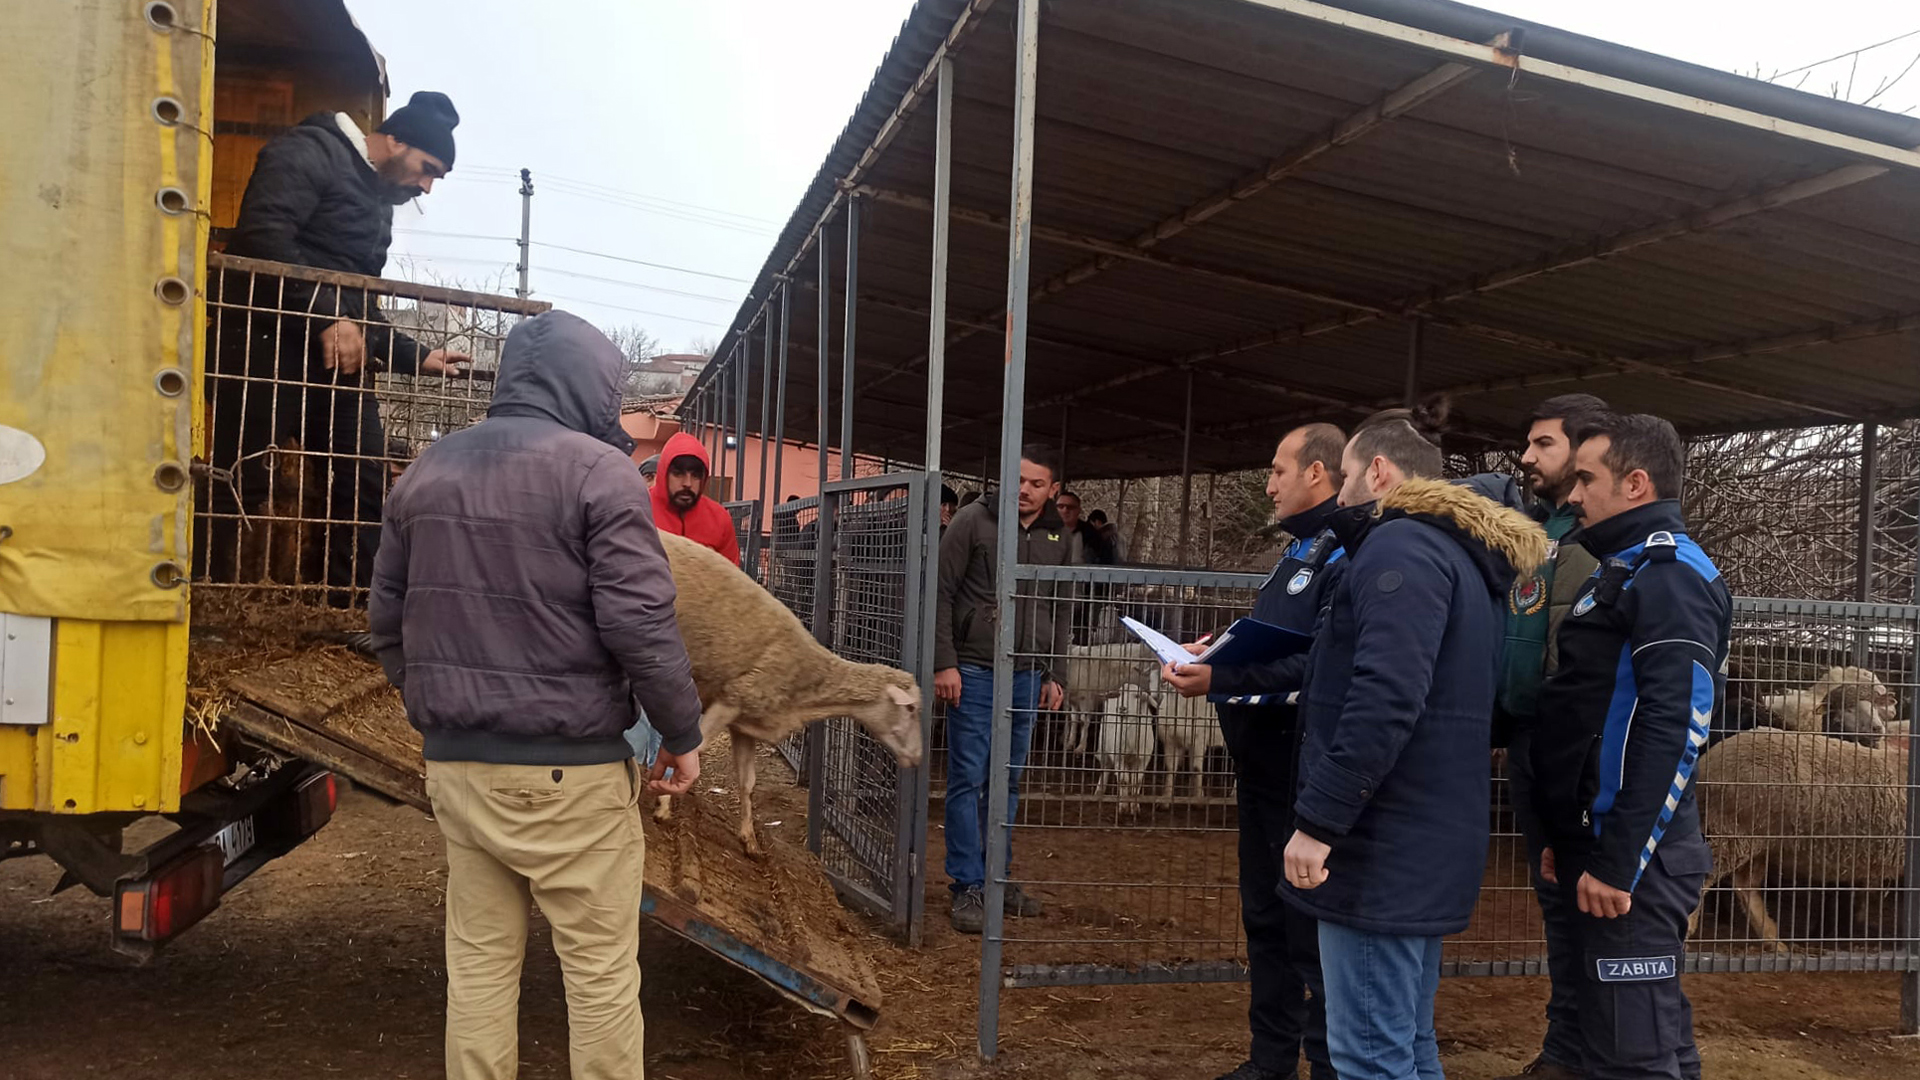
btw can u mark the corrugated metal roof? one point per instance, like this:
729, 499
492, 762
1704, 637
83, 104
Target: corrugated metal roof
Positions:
1553, 235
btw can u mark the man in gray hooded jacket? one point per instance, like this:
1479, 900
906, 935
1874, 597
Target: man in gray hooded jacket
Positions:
523, 605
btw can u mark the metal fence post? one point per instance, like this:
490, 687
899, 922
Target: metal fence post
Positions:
780, 410
930, 539
1416, 334
761, 515
1910, 982
740, 380
847, 336
1186, 477
820, 353
1012, 414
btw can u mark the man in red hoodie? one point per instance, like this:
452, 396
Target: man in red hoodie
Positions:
680, 503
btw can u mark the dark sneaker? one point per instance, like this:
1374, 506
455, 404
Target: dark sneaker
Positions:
969, 912
1249, 1071
1542, 1069
1020, 905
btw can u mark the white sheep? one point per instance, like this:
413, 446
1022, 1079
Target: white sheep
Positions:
1125, 745
1093, 674
1846, 701
762, 676
1187, 729
1807, 809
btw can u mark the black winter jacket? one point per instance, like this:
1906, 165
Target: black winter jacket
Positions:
1397, 704
1257, 703
1642, 671
963, 627
521, 600
313, 200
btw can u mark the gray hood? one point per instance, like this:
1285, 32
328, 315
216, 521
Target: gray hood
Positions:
559, 367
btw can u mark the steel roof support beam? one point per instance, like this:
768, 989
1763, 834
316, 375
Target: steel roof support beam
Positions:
1368, 119
1499, 56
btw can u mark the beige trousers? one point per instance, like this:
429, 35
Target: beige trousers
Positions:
569, 839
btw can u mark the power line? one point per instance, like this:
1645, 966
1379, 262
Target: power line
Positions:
575, 274
1844, 55
624, 193
582, 251
635, 310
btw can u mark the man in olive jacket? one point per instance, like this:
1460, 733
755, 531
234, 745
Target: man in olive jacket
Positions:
963, 670
1536, 606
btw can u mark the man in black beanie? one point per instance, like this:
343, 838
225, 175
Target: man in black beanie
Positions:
294, 371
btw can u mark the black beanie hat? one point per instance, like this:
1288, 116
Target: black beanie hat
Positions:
427, 121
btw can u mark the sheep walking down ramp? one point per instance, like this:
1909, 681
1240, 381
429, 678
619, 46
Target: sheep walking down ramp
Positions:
762, 676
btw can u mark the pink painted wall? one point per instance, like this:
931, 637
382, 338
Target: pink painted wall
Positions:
799, 474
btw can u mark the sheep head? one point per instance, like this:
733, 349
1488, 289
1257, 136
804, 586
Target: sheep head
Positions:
894, 717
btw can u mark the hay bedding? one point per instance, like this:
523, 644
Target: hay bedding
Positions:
279, 653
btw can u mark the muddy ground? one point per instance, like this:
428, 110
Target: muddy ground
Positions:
328, 962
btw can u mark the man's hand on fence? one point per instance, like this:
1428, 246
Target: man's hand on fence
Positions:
1548, 873
1189, 680
445, 362
343, 347
1602, 901
1306, 860
1051, 695
946, 685
686, 769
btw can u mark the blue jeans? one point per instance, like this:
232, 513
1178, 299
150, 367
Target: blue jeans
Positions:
969, 739
1380, 991
644, 740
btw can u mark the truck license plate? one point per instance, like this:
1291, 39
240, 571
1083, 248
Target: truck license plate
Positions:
235, 840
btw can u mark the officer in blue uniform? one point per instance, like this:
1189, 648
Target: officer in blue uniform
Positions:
1258, 718
1642, 658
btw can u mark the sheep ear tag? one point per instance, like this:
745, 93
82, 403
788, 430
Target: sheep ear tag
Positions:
1299, 582
901, 697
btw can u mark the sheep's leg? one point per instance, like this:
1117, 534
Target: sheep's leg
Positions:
1175, 759
1746, 884
744, 750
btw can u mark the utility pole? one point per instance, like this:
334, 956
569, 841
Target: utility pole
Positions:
526, 222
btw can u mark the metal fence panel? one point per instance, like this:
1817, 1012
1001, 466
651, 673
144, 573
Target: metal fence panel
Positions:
744, 514
867, 818
793, 550
321, 387
1126, 821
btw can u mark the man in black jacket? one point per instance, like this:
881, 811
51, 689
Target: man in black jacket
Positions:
1258, 714
1391, 836
1622, 722
291, 357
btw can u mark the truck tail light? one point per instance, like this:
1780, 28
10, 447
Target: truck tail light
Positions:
171, 899
314, 802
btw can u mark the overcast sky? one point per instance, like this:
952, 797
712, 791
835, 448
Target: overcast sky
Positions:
682, 134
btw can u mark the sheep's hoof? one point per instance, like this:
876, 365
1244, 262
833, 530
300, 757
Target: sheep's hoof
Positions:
663, 811
751, 843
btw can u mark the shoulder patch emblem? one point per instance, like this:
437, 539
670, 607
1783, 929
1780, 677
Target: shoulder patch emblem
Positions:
1389, 581
1583, 605
1299, 582
1528, 597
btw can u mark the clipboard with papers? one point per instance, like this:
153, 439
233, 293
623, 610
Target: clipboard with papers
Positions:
1247, 641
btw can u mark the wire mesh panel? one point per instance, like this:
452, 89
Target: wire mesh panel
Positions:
744, 514
320, 388
866, 816
792, 557
1126, 824
1808, 793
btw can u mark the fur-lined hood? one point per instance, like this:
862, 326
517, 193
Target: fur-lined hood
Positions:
1504, 542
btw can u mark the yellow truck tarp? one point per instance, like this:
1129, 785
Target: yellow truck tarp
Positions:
103, 187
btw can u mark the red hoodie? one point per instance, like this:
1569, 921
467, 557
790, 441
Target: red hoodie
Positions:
708, 523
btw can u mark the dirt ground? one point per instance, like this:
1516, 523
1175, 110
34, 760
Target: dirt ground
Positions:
328, 962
